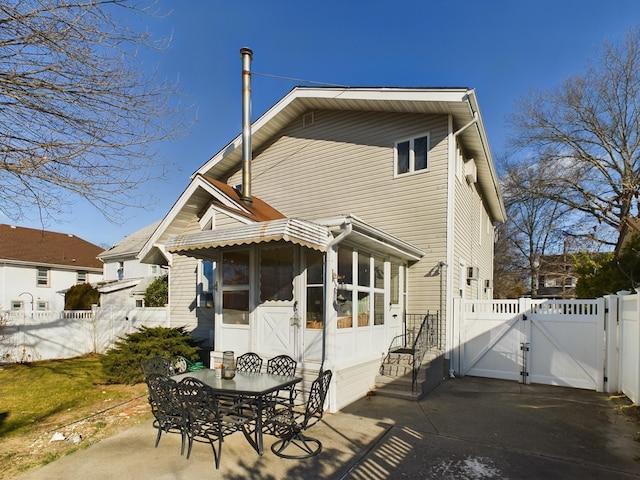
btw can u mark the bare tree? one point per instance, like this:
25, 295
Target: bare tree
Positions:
536, 221
589, 129
510, 267
79, 112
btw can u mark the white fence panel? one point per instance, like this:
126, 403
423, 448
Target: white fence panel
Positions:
567, 343
52, 335
489, 339
629, 346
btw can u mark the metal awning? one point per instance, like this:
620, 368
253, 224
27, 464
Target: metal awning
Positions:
292, 230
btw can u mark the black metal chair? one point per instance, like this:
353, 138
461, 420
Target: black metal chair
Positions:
207, 421
160, 365
283, 365
204, 420
249, 362
168, 412
289, 425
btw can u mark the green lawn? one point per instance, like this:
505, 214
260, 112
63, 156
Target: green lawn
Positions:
52, 393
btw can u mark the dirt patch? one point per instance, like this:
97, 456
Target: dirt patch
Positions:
100, 420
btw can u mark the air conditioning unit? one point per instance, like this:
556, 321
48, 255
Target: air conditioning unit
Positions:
473, 273
470, 171
488, 284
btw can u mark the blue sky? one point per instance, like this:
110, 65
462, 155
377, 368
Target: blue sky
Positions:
501, 48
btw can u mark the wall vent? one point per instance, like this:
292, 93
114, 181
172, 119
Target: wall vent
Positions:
308, 119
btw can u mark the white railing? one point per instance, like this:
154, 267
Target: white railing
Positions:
26, 337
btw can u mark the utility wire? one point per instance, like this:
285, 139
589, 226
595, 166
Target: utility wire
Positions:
298, 80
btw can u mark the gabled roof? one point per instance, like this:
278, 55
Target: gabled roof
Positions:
131, 245
203, 192
460, 103
40, 247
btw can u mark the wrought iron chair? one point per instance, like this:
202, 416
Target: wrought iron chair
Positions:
290, 425
283, 365
206, 420
249, 362
168, 412
160, 365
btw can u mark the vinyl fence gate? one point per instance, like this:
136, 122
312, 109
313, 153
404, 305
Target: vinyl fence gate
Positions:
553, 342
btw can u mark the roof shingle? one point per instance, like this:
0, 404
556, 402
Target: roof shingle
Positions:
21, 244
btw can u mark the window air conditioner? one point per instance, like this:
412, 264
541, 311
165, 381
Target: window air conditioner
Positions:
470, 171
473, 273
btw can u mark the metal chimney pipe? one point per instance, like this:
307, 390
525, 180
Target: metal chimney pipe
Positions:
246, 54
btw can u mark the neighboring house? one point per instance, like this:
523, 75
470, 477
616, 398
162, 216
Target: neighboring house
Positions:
125, 277
38, 266
352, 208
556, 277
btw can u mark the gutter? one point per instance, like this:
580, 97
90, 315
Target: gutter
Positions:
346, 229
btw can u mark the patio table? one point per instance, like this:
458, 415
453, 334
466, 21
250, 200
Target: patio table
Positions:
244, 385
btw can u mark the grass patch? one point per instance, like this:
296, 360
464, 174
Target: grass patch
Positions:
66, 396
36, 393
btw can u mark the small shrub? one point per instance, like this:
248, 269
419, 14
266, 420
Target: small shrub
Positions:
81, 297
122, 363
157, 293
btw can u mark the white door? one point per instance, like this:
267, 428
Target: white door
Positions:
278, 330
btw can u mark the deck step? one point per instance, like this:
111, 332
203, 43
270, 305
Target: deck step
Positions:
395, 378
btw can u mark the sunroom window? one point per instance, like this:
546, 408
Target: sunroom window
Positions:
276, 274
235, 287
315, 284
360, 300
411, 155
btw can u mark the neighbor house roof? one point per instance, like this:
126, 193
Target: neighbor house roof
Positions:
44, 248
129, 246
460, 103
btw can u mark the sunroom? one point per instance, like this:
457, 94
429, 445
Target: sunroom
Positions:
330, 293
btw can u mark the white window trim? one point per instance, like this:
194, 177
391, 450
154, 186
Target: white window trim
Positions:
38, 277
411, 140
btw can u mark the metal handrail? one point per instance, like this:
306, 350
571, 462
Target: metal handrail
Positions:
423, 341
419, 343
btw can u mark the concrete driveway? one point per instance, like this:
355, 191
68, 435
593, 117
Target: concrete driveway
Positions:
467, 428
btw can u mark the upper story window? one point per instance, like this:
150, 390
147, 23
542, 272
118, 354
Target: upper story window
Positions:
81, 277
411, 155
43, 277
120, 270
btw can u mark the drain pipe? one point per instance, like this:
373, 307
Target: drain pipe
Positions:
246, 54
346, 229
473, 121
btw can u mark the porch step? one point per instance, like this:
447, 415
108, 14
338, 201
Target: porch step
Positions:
395, 377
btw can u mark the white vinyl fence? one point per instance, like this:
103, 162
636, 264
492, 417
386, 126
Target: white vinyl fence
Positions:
26, 337
593, 344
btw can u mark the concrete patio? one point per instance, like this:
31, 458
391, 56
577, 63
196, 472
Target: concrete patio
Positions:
466, 428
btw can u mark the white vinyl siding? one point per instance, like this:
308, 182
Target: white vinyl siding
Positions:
348, 159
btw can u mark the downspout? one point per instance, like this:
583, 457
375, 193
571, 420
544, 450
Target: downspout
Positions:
246, 55
346, 229
450, 334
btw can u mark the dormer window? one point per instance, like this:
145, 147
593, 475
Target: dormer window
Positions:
411, 155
